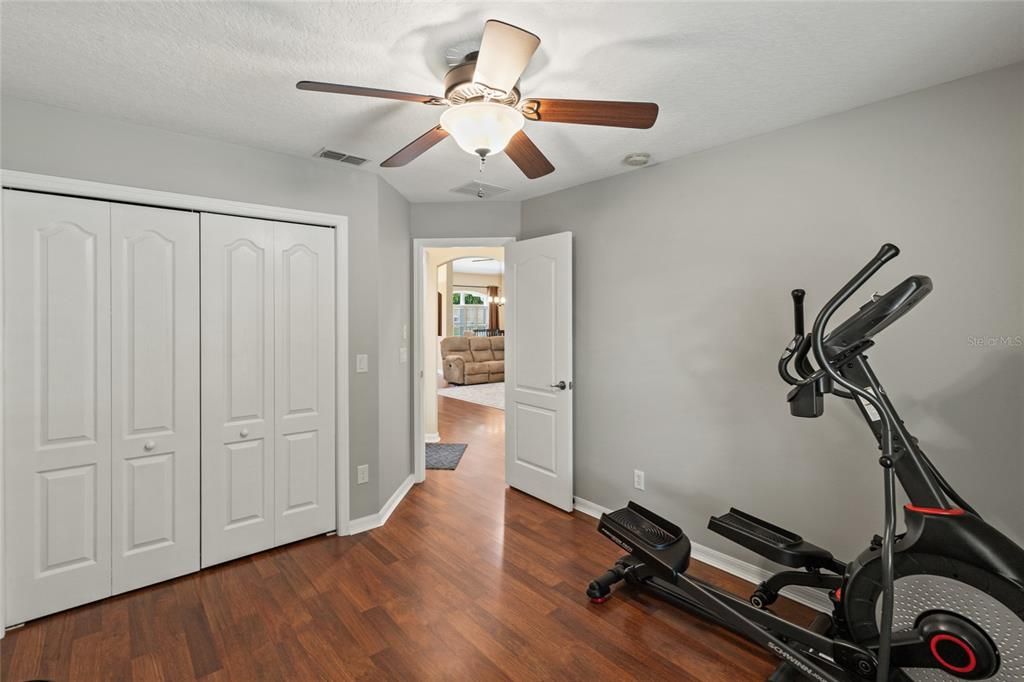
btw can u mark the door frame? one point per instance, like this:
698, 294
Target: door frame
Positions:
419, 287
88, 189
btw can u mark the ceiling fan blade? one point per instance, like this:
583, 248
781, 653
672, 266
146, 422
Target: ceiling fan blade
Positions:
524, 153
592, 112
415, 148
504, 53
316, 86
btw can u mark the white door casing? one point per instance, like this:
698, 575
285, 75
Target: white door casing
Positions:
237, 281
538, 358
155, 385
304, 378
57, 402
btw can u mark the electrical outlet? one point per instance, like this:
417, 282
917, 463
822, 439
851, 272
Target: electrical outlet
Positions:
403, 355
638, 479
363, 474
362, 364
405, 332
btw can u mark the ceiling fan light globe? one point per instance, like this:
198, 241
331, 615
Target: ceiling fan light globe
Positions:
482, 128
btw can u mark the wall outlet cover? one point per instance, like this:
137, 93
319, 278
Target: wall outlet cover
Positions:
363, 474
403, 355
638, 479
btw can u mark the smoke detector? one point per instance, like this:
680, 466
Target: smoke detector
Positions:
637, 159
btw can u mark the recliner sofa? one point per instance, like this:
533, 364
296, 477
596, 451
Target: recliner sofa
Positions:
473, 359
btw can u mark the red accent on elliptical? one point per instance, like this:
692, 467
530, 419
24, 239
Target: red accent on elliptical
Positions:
599, 600
935, 511
972, 661
839, 594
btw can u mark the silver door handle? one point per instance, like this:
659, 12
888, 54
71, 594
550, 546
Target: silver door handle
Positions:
560, 385
244, 433
149, 445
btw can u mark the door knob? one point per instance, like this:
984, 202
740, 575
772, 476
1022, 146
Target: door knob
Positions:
560, 385
243, 433
149, 445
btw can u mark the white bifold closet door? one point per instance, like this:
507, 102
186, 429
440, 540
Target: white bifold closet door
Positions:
154, 406
268, 451
304, 376
100, 381
56, 402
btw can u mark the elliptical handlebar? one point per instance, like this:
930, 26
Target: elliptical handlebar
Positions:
798, 311
799, 346
884, 255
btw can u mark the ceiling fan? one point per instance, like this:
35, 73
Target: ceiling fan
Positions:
486, 112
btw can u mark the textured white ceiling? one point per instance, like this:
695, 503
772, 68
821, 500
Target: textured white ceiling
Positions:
720, 71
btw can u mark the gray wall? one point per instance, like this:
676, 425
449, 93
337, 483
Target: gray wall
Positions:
395, 310
682, 274
53, 141
483, 218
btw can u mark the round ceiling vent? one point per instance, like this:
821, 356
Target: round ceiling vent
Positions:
637, 159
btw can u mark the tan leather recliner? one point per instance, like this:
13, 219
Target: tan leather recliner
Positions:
473, 360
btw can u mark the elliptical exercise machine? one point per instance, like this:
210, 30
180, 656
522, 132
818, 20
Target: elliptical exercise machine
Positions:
942, 601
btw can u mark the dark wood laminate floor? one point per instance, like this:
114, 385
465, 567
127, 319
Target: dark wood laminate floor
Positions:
468, 580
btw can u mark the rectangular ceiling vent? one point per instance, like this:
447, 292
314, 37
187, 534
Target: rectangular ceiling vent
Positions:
326, 153
480, 190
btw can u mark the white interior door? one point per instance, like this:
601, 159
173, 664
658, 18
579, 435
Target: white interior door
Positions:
56, 386
237, 281
538, 368
154, 395
304, 379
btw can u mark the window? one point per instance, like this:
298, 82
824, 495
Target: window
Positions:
469, 312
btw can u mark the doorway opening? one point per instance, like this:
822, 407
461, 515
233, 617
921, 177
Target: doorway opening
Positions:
463, 357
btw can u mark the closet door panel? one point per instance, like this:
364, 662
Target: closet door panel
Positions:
57, 402
155, 394
237, 292
304, 378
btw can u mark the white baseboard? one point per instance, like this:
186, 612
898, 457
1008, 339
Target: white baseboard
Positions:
432, 438
588, 507
371, 521
741, 569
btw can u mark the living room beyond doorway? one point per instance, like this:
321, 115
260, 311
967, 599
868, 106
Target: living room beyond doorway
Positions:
463, 358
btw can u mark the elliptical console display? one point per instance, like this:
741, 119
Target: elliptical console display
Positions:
942, 601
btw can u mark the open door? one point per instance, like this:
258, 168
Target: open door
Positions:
538, 368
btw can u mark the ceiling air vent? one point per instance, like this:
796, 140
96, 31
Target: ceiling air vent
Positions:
480, 190
326, 153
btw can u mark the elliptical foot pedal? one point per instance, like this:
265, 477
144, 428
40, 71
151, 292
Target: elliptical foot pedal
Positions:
655, 542
770, 541
634, 519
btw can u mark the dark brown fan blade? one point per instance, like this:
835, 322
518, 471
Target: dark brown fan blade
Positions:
367, 92
416, 147
524, 153
592, 112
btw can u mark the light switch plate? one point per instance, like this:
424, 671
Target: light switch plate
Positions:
403, 355
362, 364
362, 474
405, 332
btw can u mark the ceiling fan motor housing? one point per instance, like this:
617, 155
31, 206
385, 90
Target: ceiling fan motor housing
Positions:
459, 87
